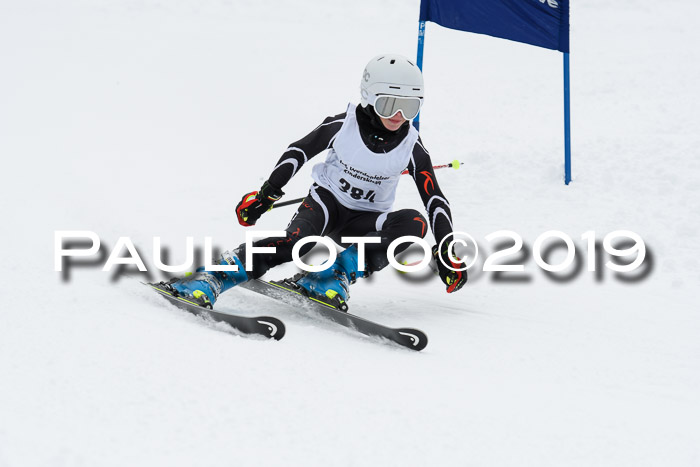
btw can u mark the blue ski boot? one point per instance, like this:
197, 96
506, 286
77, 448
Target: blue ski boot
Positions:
204, 287
332, 286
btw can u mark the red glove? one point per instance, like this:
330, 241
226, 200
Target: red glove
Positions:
454, 280
256, 203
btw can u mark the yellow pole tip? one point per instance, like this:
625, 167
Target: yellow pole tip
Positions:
404, 263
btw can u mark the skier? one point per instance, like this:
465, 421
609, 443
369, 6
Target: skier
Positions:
369, 146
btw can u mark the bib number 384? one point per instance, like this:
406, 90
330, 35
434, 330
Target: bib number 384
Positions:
355, 192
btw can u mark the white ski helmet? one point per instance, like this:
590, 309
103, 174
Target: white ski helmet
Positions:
390, 75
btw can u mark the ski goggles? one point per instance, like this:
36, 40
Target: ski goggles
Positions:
388, 106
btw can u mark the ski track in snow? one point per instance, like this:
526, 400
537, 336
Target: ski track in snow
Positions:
147, 119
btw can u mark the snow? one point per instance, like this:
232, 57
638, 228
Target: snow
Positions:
151, 118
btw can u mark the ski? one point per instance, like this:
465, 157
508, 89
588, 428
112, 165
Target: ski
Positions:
413, 339
267, 326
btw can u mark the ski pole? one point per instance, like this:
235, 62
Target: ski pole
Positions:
455, 164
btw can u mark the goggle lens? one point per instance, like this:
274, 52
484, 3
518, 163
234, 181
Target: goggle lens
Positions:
388, 106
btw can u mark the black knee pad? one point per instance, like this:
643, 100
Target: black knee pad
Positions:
407, 222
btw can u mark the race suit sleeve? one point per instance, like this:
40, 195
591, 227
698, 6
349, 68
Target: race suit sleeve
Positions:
420, 167
299, 152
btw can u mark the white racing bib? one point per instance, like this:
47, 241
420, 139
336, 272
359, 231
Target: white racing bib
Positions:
359, 178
